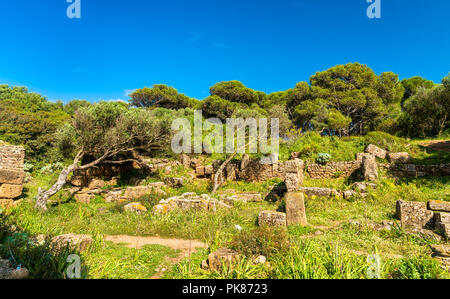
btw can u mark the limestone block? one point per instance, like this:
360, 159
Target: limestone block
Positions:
295, 209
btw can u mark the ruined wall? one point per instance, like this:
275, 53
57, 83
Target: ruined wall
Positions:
11, 171
412, 170
334, 170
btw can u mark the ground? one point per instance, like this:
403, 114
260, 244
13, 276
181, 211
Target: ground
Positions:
335, 244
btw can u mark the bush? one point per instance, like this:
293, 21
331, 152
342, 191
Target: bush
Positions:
323, 158
261, 241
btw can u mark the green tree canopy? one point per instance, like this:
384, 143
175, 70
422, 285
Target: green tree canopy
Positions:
235, 91
412, 85
161, 96
427, 113
30, 120
356, 92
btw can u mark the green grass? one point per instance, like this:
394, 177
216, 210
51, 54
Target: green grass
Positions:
296, 252
114, 261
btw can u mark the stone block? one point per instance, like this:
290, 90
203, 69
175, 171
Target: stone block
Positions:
8, 191
376, 151
437, 205
402, 158
209, 170
414, 214
370, 168
75, 242
295, 209
96, 184
11, 176
222, 257
200, 171
135, 207
319, 192
84, 198
272, 218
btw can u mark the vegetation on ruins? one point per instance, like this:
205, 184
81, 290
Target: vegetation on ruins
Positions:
331, 118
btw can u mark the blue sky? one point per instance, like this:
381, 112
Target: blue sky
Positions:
118, 46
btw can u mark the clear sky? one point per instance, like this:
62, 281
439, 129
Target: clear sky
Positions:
121, 45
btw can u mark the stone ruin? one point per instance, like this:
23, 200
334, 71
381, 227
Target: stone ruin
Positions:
11, 173
434, 215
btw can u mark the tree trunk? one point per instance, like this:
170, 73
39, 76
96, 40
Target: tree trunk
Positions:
219, 172
44, 196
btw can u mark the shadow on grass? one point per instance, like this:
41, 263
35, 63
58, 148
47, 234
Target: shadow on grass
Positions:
23, 250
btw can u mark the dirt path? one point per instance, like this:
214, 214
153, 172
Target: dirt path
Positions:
437, 145
186, 247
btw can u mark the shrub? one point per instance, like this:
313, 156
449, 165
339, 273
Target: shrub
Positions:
323, 158
261, 241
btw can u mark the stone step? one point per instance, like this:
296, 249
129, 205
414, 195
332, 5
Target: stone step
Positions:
439, 206
442, 217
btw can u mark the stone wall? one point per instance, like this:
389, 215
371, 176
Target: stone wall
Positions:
412, 170
252, 170
11, 171
334, 170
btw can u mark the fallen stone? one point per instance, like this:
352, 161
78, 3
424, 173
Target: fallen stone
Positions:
8, 272
140, 191
209, 170
10, 191
414, 214
222, 257
437, 205
399, 158
295, 209
96, 184
189, 201
200, 171
376, 151
135, 207
441, 250
370, 168
319, 192
272, 218
349, 194
114, 195
74, 242
242, 197
260, 260
362, 187
174, 182
78, 181
84, 198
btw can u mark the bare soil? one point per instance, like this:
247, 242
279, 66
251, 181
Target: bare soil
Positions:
185, 247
